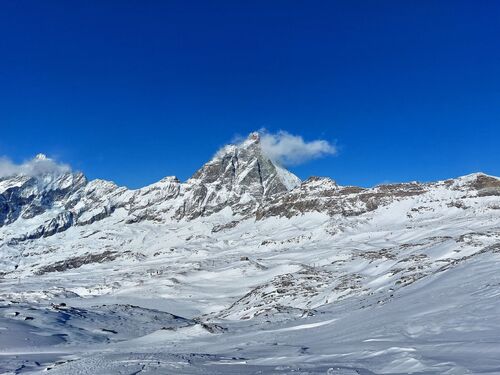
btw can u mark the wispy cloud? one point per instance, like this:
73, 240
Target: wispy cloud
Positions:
39, 165
288, 149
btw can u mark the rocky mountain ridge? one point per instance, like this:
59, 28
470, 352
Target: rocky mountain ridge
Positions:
239, 178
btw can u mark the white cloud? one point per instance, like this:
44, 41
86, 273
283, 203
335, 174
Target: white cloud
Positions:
39, 165
289, 149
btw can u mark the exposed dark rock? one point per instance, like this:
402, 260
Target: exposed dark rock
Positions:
231, 224
28, 197
324, 195
77, 262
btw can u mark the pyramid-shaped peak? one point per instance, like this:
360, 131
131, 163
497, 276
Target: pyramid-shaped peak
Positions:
244, 167
250, 147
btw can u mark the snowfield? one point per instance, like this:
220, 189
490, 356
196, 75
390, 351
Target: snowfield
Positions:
243, 269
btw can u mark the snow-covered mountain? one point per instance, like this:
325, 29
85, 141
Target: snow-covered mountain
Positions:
239, 177
244, 268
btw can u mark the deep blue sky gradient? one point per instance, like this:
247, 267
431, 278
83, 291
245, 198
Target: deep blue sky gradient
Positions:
135, 90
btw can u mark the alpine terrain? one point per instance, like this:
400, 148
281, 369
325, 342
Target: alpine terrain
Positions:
246, 269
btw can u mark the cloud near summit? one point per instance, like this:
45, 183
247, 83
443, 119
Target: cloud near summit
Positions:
39, 165
288, 149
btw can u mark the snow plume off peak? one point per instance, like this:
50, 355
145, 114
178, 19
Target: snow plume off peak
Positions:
289, 149
38, 166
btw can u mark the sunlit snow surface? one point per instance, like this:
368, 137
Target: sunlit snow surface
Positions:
411, 287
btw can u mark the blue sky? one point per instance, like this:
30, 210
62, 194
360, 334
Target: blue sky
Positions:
135, 90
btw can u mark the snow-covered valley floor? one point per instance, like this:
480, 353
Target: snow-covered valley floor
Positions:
381, 293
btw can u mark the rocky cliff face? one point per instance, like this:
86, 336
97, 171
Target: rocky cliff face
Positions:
239, 176
25, 197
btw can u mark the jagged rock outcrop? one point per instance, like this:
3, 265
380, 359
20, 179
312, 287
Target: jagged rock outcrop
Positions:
239, 176
483, 184
324, 195
26, 197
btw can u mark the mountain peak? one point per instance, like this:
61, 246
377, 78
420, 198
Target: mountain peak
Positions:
246, 164
41, 157
240, 176
251, 144
254, 136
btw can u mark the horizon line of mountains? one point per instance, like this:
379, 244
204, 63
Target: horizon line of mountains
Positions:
240, 179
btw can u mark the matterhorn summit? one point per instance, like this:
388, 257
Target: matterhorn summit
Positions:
41, 157
239, 176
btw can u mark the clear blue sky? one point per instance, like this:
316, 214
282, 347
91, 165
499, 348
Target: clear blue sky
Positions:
135, 90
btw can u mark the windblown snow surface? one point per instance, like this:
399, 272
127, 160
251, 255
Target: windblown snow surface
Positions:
409, 286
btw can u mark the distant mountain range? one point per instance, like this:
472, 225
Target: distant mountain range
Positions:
248, 262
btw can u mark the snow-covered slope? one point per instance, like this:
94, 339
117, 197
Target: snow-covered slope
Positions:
244, 268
